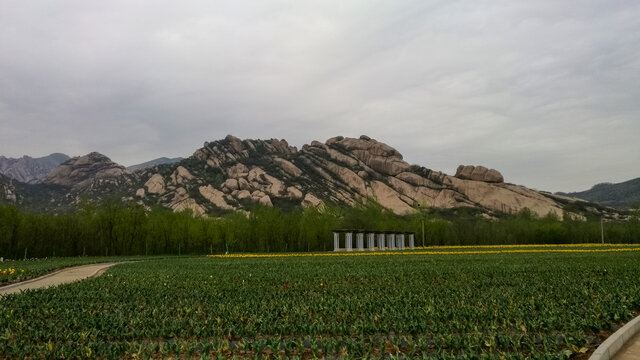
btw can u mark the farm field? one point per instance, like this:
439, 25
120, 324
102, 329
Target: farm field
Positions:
511, 305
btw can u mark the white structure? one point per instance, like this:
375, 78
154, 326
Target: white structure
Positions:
394, 240
371, 241
381, 241
360, 241
391, 239
348, 241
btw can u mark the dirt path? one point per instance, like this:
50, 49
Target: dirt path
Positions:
58, 277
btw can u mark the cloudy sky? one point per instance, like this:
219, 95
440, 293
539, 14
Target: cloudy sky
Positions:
547, 92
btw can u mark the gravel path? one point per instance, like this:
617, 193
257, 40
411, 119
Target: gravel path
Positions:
58, 277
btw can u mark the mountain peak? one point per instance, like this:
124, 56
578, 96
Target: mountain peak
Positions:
82, 170
231, 149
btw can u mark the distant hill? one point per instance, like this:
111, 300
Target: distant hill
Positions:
622, 195
152, 163
30, 170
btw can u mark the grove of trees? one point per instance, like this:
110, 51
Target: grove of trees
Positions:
112, 229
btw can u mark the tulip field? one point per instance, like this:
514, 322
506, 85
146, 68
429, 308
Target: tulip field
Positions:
458, 304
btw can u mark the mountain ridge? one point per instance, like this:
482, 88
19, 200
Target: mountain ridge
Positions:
234, 174
30, 170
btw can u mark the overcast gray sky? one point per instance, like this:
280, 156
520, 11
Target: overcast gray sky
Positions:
547, 92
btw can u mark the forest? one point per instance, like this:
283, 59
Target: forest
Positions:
112, 229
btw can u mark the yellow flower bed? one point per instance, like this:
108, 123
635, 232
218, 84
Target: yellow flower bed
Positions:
523, 246
9, 271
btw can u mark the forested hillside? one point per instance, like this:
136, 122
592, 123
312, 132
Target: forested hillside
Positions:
622, 195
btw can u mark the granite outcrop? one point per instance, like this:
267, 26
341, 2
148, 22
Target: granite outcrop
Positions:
234, 174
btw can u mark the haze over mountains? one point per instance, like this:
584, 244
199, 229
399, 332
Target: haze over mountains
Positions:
30, 170
231, 174
35, 170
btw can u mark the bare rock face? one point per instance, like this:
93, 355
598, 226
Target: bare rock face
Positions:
243, 184
256, 175
257, 195
181, 201
238, 170
345, 170
288, 167
376, 155
243, 195
265, 200
365, 168
216, 197
311, 200
479, 173
231, 184
389, 198
155, 184
274, 186
504, 198
294, 192
232, 150
82, 171
181, 176
351, 179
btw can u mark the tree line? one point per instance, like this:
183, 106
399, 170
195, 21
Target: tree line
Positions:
112, 228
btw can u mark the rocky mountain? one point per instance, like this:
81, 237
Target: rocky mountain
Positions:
152, 163
83, 171
233, 174
30, 170
621, 195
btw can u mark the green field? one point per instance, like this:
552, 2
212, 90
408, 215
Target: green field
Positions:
460, 306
